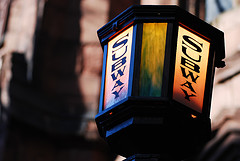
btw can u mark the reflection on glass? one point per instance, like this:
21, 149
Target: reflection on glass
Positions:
152, 59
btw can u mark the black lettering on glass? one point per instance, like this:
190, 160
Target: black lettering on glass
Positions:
188, 85
119, 63
116, 93
194, 79
189, 64
114, 55
118, 83
119, 72
118, 45
187, 96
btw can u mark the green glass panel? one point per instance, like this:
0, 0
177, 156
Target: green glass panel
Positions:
152, 59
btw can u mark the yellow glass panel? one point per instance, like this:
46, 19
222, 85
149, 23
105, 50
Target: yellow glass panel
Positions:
117, 68
152, 59
190, 69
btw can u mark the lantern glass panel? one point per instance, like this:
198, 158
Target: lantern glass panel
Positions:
117, 68
152, 59
190, 68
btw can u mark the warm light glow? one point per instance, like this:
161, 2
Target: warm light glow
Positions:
117, 68
152, 58
193, 116
190, 69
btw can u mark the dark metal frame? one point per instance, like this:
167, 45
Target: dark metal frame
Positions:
120, 23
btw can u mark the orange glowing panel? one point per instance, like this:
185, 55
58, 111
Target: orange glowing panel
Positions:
190, 69
117, 68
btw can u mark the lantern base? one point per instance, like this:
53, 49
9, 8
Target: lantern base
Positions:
150, 157
153, 128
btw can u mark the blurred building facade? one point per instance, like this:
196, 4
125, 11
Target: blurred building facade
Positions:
225, 112
51, 71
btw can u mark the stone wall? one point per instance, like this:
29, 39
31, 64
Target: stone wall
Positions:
226, 87
50, 80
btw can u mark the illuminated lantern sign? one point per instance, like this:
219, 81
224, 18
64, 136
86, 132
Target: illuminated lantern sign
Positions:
118, 65
190, 69
157, 80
